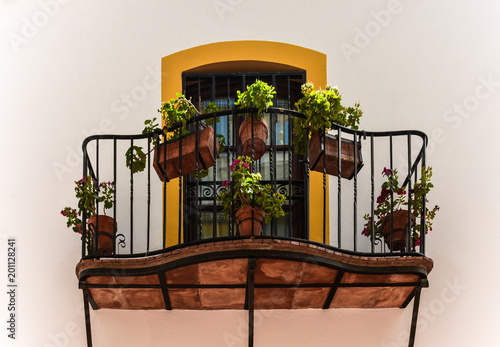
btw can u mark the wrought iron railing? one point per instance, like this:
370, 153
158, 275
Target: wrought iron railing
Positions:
143, 203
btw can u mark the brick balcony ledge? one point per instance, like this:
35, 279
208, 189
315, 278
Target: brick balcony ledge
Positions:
283, 274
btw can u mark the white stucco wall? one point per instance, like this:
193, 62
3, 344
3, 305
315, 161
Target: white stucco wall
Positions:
427, 65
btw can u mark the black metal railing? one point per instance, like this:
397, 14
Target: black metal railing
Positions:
149, 211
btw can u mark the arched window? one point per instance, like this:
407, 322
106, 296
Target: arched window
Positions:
280, 166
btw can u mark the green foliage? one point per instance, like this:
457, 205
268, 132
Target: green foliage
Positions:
211, 108
152, 127
245, 189
258, 95
322, 109
89, 195
176, 113
387, 202
74, 222
137, 157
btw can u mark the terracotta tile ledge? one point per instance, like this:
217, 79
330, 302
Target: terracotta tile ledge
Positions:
258, 245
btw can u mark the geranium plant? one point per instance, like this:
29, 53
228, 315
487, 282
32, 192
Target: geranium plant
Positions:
258, 95
387, 203
321, 108
89, 195
245, 189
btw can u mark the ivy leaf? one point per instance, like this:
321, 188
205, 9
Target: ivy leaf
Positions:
137, 157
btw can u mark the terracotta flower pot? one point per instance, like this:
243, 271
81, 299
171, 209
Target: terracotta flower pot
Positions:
244, 217
400, 228
167, 165
106, 231
260, 131
332, 149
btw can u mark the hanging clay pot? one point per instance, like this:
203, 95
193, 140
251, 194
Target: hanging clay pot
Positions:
106, 231
400, 227
331, 145
168, 165
244, 217
259, 132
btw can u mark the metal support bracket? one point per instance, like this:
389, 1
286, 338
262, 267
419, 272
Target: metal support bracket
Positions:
416, 304
88, 329
250, 299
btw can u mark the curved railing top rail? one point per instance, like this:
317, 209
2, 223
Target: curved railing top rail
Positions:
237, 111
240, 111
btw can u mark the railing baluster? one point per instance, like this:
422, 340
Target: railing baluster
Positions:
323, 150
253, 170
392, 193
181, 205
214, 183
164, 186
114, 191
197, 182
230, 141
372, 191
408, 230
339, 218
306, 193
290, 173
424, 202
131, 200
84, 214
96, 229
148, 228
272, 163
355, 194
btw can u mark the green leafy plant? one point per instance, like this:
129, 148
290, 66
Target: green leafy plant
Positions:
322, 109
245, 189
89, 195
258, 95
174, 114
388, 203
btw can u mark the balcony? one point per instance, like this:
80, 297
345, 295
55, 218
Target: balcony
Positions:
174, 248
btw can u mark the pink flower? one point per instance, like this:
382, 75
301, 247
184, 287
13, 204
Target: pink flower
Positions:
386, 172
383, 195
226, 183
364, 231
